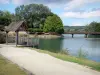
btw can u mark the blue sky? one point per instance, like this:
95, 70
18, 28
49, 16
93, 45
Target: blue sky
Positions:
72, 12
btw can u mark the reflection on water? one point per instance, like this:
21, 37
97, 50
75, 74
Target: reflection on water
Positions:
90, 45
53, 45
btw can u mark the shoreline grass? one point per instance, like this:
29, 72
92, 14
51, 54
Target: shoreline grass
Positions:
82, 61
9, 68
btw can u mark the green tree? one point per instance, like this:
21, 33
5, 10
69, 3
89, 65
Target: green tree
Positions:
33, 14
7, 14
5, 19
93, 27
53, 24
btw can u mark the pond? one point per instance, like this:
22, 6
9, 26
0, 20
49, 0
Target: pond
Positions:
89, 45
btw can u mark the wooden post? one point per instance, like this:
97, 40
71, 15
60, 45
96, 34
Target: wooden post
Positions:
7, 37
86, 35
72, 35
17, 37
27, 38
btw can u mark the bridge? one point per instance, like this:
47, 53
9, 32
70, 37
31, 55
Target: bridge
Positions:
86, 33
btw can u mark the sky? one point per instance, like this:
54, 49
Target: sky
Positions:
72, 12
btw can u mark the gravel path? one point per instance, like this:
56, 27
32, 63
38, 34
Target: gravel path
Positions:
43, 64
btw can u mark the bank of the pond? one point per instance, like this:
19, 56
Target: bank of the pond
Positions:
91, 64
8, 68
24, 34
46, 36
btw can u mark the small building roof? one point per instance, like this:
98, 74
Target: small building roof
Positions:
15, 26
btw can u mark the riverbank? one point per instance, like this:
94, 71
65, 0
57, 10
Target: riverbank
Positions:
9, 68
82, 61
46, 36
24, 34
43, 63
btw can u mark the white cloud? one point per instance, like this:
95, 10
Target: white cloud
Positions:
81, 15
66, 4
20, 2
78, 3
48, 2
4, 1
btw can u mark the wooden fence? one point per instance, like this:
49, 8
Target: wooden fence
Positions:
24, 41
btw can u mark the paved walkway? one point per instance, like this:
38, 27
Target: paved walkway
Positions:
43, 64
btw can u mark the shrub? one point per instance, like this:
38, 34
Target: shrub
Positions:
33, 30
93, 27
64, 51
82, 54
53, 24
2, 37
1, 28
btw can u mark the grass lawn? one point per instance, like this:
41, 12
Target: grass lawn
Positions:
89, 63
8, 68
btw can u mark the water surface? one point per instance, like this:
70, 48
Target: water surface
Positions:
90, 45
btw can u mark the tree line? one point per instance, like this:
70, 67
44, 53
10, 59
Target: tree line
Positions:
93, 27
38, 18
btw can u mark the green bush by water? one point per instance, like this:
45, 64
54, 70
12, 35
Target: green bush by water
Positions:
64, 51
81, 53
33, 30
2, 37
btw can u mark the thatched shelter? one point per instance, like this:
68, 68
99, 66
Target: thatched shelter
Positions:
15, 26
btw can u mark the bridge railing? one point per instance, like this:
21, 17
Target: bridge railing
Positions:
82, 33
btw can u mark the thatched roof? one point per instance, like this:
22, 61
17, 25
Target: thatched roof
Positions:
14, 26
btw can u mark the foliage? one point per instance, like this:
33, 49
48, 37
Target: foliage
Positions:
13, 17
74, 28
1, 28
33, 14
53, 24
5, 19
93, 27
64, 51
2, 37
33, 30
82, 54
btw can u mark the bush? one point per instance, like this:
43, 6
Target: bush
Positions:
64, 51
53, 24
1, 28
33, 30
82, 54
93, 27
2, 37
